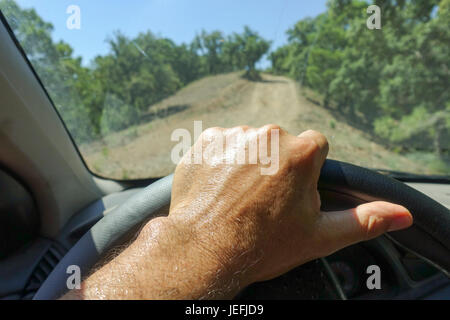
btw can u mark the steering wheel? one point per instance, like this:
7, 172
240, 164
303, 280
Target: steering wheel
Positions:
341, 186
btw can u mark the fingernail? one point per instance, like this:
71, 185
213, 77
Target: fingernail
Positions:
400, 222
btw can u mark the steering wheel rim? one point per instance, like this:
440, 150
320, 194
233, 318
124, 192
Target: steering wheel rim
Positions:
341, 186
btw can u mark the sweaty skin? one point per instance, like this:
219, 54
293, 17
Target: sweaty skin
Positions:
230, 226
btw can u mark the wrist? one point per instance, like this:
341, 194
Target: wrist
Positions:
190, 264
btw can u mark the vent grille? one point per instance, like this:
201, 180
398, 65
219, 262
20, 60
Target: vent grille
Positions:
48, 262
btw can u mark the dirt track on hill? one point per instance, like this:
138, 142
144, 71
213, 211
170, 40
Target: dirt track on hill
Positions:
227, 101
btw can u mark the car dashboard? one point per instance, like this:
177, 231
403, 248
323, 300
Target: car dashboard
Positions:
344, 274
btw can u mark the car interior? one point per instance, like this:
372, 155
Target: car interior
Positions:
55, 212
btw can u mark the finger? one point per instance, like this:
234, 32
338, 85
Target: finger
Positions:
367, 221
320, 140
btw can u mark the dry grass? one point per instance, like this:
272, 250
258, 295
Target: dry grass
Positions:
226, 101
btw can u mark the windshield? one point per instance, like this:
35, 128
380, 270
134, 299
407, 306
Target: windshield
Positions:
125, 75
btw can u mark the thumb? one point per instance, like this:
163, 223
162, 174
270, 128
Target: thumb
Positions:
367, 221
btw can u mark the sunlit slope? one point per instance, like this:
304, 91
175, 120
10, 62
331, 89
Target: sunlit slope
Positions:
228, 100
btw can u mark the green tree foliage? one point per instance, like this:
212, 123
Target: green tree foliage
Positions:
116, 115
235, 52
118, 88
63, 76
138, 71
394, 80
248, 49
209, 46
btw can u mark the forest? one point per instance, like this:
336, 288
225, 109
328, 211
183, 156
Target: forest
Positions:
393, 82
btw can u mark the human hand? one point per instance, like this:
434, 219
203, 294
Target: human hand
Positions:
260, 226
229, 225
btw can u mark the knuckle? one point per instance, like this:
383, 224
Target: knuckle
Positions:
236, 130
268, 127
244, 127
312, 149
317, 136
306, 149
312, 132
311, 145
211, 132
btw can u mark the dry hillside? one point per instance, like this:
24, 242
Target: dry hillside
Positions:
228, 100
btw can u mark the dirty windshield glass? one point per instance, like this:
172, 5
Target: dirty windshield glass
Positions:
125, 75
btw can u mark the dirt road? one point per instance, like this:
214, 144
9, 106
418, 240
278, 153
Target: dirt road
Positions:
227, 101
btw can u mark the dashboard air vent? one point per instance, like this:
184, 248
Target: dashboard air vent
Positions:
48, 262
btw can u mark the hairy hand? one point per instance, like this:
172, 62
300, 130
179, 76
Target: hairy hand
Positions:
260, 226
231, 225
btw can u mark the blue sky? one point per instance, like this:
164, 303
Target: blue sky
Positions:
178, 20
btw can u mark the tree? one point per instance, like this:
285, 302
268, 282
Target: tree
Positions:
249, 49
414, 93
209, 46
62, 74
394, 81
138, 71
235, 52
